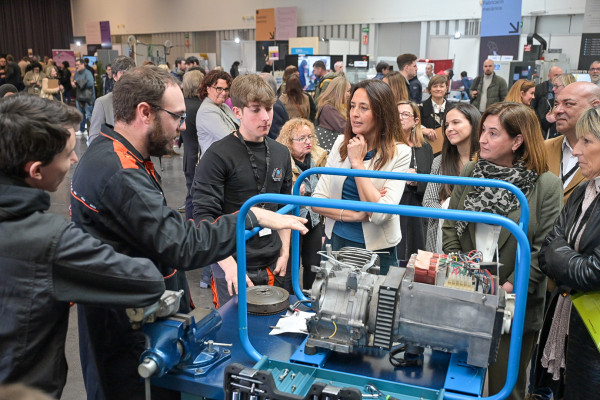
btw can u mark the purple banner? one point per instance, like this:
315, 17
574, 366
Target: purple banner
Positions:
105, 34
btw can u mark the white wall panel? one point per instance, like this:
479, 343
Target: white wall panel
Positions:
399, 38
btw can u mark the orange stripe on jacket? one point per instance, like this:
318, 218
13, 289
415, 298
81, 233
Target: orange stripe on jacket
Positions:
82, 202
128, 161
213, 288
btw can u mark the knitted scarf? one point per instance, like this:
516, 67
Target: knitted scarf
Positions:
497, 200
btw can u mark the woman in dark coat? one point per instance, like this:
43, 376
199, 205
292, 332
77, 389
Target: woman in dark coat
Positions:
413, 229
571, 257
434, 109
191, 87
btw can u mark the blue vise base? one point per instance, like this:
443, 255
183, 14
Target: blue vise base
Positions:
182, 343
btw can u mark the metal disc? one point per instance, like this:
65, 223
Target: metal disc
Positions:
266, 300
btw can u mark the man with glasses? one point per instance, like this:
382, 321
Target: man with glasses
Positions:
103, 108
243, 164
595, 72
116, 195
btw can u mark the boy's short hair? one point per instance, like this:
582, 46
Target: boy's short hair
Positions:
319, 64
32, 129
248, 89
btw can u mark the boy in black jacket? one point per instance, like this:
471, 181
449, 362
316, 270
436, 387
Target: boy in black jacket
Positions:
243, 164
46, 261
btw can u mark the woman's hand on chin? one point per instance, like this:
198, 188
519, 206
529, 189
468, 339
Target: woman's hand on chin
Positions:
357, 150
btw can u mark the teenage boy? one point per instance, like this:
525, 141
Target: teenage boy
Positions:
46, 261
243, 164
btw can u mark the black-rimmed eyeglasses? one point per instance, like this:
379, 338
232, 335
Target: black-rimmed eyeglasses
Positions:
174, 115
220, 89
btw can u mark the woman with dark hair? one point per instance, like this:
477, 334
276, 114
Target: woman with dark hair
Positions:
413, 229
65, 80
289, 71
434, 109
461, 142
571, 257
33, 78
512, 150
297, 103
522, 91
303, 72
372, 140
214, 120
234, 69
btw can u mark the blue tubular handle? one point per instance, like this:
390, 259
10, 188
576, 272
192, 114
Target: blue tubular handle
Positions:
454, 180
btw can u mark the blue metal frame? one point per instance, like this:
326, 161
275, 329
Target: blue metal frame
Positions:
294, 202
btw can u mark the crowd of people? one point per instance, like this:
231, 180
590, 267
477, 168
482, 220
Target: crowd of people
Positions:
243, 136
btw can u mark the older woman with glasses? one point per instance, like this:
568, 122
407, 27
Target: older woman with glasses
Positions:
214, 120
298, 135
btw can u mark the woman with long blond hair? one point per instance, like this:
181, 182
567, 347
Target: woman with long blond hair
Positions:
372, 140
51, 87
522, 91
397, 83
332, 107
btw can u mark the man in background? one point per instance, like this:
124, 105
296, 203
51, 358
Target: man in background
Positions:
407, 65
83, 82
382, 68
595, 72
103, 108
489, 88
107, 80
179, 69
338, 67
544, 98
424, 79
323, 78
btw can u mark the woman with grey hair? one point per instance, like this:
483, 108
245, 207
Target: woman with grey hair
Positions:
571, 257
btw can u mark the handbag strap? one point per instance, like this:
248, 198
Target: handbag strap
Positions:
299, 110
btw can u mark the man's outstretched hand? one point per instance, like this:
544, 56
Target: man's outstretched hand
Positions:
272, 220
